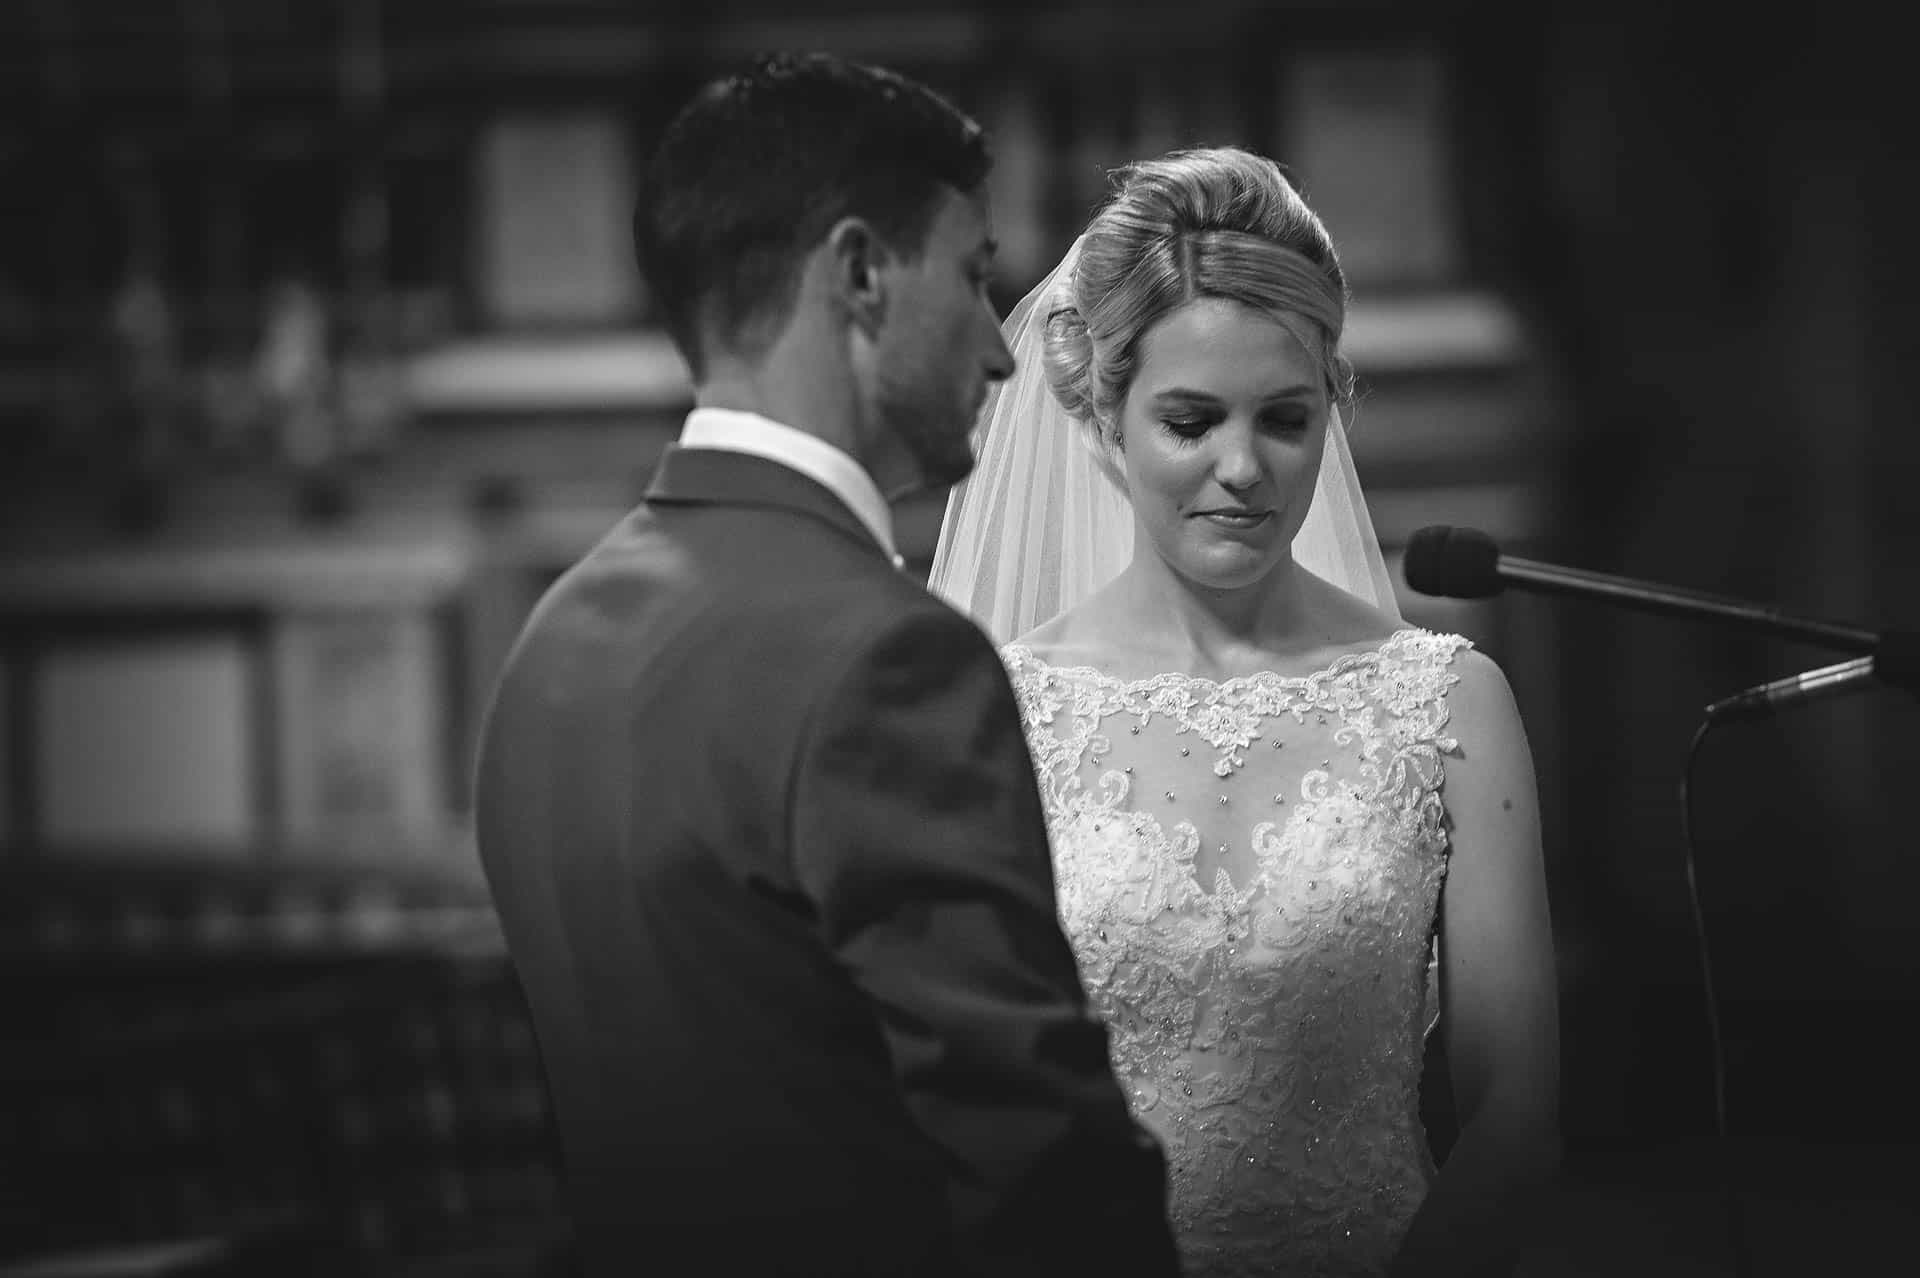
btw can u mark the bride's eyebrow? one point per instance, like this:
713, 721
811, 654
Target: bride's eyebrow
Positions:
1190, 395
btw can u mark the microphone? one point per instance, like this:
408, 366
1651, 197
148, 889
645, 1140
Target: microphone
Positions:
1464, 563
1770, 698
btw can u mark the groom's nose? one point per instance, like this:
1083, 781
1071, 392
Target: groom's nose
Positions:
999, 362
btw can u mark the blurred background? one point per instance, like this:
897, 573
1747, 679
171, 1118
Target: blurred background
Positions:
321, 354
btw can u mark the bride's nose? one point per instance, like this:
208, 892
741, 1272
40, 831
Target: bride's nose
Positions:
1236, 465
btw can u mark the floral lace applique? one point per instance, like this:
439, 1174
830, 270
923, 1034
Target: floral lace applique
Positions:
1267, 1017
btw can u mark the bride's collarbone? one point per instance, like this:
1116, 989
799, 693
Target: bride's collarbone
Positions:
1105, 637
1132, 662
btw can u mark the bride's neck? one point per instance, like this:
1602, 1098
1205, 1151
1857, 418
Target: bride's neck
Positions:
1218, 629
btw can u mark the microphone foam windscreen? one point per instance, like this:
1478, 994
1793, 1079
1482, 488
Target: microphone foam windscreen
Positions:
1458, 563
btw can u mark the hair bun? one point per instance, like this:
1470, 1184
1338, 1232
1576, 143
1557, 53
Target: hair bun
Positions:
1067, 354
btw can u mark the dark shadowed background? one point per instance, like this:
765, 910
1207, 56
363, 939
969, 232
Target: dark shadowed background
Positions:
321, 352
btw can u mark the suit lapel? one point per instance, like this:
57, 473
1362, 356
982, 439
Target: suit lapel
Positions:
721, 477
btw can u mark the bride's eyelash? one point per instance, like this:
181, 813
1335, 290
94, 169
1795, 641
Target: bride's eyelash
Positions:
1187, 431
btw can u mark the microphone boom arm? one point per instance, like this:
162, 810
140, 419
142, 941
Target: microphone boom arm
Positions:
1671, 601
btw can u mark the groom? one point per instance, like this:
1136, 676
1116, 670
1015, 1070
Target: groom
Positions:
755, 807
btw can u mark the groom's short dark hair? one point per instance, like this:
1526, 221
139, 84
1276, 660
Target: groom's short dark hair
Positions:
753, 172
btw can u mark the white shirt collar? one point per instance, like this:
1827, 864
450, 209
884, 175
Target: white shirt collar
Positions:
812, 456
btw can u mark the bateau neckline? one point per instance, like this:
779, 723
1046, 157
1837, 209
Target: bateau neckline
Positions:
1339, 665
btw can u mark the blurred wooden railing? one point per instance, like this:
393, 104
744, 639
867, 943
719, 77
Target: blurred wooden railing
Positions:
344, 1073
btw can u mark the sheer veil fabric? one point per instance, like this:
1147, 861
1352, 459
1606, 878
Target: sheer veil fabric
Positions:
1042, 523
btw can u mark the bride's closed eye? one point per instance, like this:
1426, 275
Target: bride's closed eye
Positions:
1189, 430
1287, 421
1186, 430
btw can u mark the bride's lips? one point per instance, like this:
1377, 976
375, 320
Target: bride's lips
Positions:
1236, 518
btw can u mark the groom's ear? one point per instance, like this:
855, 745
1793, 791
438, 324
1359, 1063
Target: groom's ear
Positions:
856, 276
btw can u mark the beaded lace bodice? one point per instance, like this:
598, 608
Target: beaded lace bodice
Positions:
1249, 871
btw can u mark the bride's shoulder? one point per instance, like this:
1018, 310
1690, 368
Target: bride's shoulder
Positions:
1350, 626
1074, 639
1479, 686
1358, 622
1448, 670
1040, 647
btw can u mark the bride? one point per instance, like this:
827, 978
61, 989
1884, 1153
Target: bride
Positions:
1291, 833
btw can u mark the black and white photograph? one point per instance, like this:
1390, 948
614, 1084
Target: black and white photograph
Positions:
958, 639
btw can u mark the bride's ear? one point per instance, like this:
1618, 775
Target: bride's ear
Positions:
1108, 445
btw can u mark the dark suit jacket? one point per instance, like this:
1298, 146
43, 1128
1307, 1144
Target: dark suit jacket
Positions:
763, 832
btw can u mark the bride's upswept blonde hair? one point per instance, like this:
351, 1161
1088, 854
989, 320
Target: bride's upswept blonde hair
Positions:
1220, 222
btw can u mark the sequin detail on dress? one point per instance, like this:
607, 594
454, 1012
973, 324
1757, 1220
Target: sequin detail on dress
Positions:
1268, 1017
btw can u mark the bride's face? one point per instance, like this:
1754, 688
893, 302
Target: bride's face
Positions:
1222, 432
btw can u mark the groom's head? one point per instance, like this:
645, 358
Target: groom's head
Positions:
822, 225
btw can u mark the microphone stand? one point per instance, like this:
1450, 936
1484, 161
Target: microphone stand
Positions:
1695, 604
1894, 657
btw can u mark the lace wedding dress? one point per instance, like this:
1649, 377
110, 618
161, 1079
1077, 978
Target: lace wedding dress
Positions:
1249, 872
